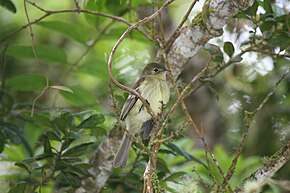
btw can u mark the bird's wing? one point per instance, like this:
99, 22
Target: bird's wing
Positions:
130, 102
147, 128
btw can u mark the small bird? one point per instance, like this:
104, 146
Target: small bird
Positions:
153, 87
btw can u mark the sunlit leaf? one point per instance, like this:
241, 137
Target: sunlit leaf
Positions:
63, 88
73, 31
96, 67
45, 53
26, 82
174, 177
80, 96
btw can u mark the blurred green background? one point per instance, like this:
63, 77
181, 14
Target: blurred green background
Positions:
49, 152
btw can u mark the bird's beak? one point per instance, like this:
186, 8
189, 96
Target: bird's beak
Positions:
167, 70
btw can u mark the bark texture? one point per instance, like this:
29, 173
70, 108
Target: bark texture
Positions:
271, 166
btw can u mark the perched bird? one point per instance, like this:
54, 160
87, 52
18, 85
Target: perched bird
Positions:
153, 87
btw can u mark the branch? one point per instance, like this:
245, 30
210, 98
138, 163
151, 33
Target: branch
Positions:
272, 165
50, 12
203, 27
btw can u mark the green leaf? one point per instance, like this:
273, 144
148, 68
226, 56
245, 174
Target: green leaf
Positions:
229, 49
6, 104
63, 88
173, 177
26, 82
62, 121
73, 31
281, 40
65, 179
95, 5
267, 6
18, 188
162, 166
8, 5
251, 11
22, 165
116, 6
2, 141
92, 121
215, 53
183, 153
95, 67
44, 156
45, 53
78, 150
80, 96
47, 146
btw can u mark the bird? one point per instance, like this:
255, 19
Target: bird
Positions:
153, 87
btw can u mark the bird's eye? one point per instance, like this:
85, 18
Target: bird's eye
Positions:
155, 69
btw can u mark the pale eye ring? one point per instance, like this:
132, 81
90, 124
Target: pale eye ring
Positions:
155, 69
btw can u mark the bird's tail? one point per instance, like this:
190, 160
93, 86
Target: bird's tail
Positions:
123, 152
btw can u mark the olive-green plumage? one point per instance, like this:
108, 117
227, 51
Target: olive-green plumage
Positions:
153, 87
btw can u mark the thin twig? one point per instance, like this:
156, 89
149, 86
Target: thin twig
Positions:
50, 12
250, 117
176, 33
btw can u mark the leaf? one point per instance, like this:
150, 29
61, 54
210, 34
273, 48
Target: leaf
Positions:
92, 121
73, 31
26, 82
162, 166
45, 53
229, 49
251, 11
281, 40
6, 104
63, 88
95, 5
65, 179
215, 53
22, 165
95, 67
8, 5
80, 96
47, 146
18, 188
173, 177
62, 121
186, 155
44, 156
77, 150
267, 6
116, 6
2, 141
